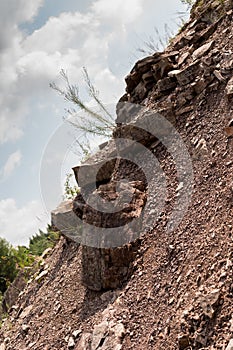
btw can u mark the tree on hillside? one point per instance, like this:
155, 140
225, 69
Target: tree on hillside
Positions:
43, 240
8, 268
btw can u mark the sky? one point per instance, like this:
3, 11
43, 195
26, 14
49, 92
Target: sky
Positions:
38, 39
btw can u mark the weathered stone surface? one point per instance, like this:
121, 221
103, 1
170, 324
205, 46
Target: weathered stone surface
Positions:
140, 74
146, 73
174, 72
199, 85
64, 219
107, 255
144, 64
183, 58
104, 269
126, 112
26, 312
188, 74
113, 341
161, 68
229, 87
218, 75
148, 77
99, 333
166, 84
201, 51
132, 81
96, 169
143, 128
85, 342
229, 129
230, 345
139, 93
103, 265
71, 343
183, 341
41, 276
107, 335
207, 302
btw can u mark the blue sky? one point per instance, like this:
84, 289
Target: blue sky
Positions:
39, 38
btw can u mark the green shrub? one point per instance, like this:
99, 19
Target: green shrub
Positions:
8, 265
43, 240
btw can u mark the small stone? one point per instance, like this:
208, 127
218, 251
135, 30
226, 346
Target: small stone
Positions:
202, 50
231, 324
201, 338
183, 341
219, 75
76, 333
199, 86
180, 186
71, 343
187, 75
84, 341
184, 110
161, 68
229, 129
99, 333
229, 87
25, 328
166, 84
2, 346
208, 301
119, 330
26, 311
46, 253
173, 73
230, 345
57, 307
183, 58
41, 276
171, 301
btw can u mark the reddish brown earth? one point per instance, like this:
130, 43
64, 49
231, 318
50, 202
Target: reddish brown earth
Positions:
181, 291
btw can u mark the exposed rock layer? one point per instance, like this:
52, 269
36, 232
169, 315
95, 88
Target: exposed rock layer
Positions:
179, 295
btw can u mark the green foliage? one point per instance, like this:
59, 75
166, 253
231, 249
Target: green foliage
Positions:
8, 267
70, 191
91, 122
11, 260
23, 257
43, 240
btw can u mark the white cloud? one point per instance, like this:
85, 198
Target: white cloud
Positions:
12, 162
71, 40
120, 11
19, 224
13, 105
13, 13
30, 63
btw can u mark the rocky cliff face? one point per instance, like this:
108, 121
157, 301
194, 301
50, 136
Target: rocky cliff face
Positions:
177, 289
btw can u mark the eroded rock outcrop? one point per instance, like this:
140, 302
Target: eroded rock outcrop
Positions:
179, 289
